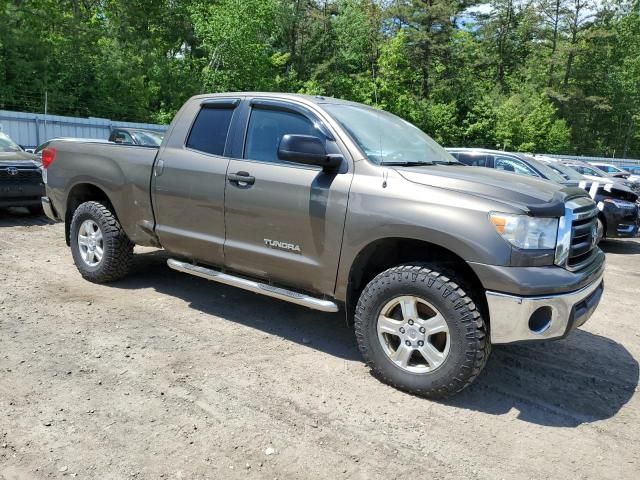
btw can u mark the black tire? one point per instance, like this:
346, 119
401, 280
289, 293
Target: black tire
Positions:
117, 248
469, 344
36, 210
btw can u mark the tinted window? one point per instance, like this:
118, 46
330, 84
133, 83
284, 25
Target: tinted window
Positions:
266, 129
209, 131
512, 165
122, 137
473, 160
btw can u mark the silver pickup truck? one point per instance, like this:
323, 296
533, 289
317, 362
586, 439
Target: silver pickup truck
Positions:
335, 205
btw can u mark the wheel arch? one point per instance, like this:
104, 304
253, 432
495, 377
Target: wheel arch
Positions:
384, 253
79, 194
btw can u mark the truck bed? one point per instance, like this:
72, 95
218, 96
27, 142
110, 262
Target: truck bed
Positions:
122, 172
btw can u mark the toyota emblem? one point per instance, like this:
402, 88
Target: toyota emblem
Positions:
13, 171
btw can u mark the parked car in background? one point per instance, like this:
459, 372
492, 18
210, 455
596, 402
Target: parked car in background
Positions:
517, 163
618, 208
21, 183
633, 169
594, 173
617, 172
618, 205
136, 136
327, 203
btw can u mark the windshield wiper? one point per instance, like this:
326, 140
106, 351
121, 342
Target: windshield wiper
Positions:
406, 164
440, 162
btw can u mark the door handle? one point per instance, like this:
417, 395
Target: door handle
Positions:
159, 167
242, 179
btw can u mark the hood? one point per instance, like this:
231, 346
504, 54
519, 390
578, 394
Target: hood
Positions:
8, 159
538, 197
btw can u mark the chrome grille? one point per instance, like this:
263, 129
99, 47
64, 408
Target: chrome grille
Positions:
584, 231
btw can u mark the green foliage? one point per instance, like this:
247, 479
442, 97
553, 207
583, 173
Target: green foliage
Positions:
527, 123
236, 37
544, 75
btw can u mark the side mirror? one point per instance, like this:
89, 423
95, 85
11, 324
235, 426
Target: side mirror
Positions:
308, 150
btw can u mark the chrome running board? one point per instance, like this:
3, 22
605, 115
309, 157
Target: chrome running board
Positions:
252, 286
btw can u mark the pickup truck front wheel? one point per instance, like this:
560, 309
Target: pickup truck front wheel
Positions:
420, 332
101, 249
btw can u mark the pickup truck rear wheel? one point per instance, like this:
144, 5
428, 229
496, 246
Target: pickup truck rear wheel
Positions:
420, 332
101, 249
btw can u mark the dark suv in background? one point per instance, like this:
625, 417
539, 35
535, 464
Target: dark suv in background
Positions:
618, 205
21, 182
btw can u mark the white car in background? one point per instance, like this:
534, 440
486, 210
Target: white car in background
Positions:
594, 173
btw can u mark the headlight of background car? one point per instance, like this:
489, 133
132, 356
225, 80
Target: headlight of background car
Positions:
526, 232
620, 203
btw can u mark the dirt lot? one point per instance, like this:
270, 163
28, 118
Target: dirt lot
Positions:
169, 376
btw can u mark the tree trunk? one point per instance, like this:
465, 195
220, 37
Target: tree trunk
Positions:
554, 41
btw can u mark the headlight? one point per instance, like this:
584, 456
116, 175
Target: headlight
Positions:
526, 232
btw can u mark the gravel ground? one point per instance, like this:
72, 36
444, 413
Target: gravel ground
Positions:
164, 375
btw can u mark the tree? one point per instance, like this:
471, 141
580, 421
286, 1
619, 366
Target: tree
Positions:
520, 74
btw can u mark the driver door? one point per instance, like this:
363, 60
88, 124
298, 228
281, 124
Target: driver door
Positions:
285, 222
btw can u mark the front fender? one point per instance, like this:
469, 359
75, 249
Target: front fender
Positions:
451, 220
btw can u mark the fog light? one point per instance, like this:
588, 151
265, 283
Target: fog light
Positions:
540, 320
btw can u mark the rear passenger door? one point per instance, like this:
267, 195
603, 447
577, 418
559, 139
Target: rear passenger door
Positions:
189, 183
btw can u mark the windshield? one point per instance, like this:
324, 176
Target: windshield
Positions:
566, 172
608, 168
150, 139
8, 145
546, 171
593, 172
386, 139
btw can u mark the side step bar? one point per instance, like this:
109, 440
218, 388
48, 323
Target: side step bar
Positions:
252, 286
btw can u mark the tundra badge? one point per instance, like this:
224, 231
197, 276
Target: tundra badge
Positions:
282, 245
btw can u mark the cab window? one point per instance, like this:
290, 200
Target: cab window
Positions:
266, 129
209, 131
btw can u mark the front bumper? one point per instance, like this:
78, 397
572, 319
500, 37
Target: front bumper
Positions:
515, 319
20, 194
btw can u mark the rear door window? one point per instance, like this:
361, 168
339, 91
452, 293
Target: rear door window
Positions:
209, 131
